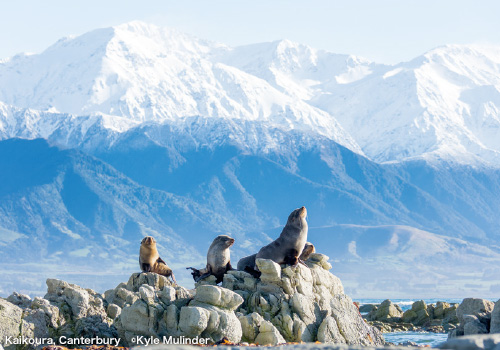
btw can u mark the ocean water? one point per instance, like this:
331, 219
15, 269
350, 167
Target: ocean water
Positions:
421, 338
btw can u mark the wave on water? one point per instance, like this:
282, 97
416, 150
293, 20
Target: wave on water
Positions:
421, 338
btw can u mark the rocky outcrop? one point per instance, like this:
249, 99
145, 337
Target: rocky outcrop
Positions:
386, 312
476, 316
286, 304
437, 318
301, 304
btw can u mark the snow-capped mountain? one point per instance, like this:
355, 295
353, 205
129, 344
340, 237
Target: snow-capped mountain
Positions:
444, 104
146, 73
147, 130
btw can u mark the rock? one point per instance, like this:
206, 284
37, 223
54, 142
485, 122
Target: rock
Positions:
387, 311
148, 294
136, 320
83, 302
473, 342
10, 323
328, 332
472, 325
450, 315
21, 300
193, 320
91, 326
418, 314
440, 309
352, 327
250, 325
269, 335
495, 318
218, 296
114, 311
54, 318
476, 307
154, 280
222, 323
271, 272
320, 260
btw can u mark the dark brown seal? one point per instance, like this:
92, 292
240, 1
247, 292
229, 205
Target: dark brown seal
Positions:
248, 262
150, 260
290, 244
218, 259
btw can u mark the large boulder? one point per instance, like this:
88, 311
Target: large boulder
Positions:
419, 314
387, 311
218, 296
495, 318
477, 307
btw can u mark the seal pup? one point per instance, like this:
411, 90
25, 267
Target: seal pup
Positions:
218, 259
249, 261
307, 251
150, 261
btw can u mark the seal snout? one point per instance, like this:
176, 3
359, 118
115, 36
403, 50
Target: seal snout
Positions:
230, 242
303, 212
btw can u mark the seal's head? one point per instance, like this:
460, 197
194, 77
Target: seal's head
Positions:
223, 240
298, 217
308, 250
148, 241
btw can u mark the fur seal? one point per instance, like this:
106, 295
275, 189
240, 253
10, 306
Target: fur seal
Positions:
307, 251
150, 261
218, 259
288, 246
248, 262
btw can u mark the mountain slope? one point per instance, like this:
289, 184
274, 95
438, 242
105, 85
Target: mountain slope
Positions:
442, 105
146, 73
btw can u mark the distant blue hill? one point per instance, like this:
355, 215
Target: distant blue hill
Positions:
81, 217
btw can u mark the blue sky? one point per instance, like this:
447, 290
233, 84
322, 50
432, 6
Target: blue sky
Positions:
387, 31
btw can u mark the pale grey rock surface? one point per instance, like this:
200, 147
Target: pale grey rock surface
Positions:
286, 304
476, 316
473, 342
495, 318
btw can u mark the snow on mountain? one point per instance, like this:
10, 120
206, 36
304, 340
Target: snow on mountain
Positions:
146, 73
444, 104
295, 69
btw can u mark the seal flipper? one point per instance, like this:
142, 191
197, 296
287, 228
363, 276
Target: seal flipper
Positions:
195, 273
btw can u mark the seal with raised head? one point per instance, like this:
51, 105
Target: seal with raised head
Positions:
218, 259
150, 260
290, 244
248, 262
